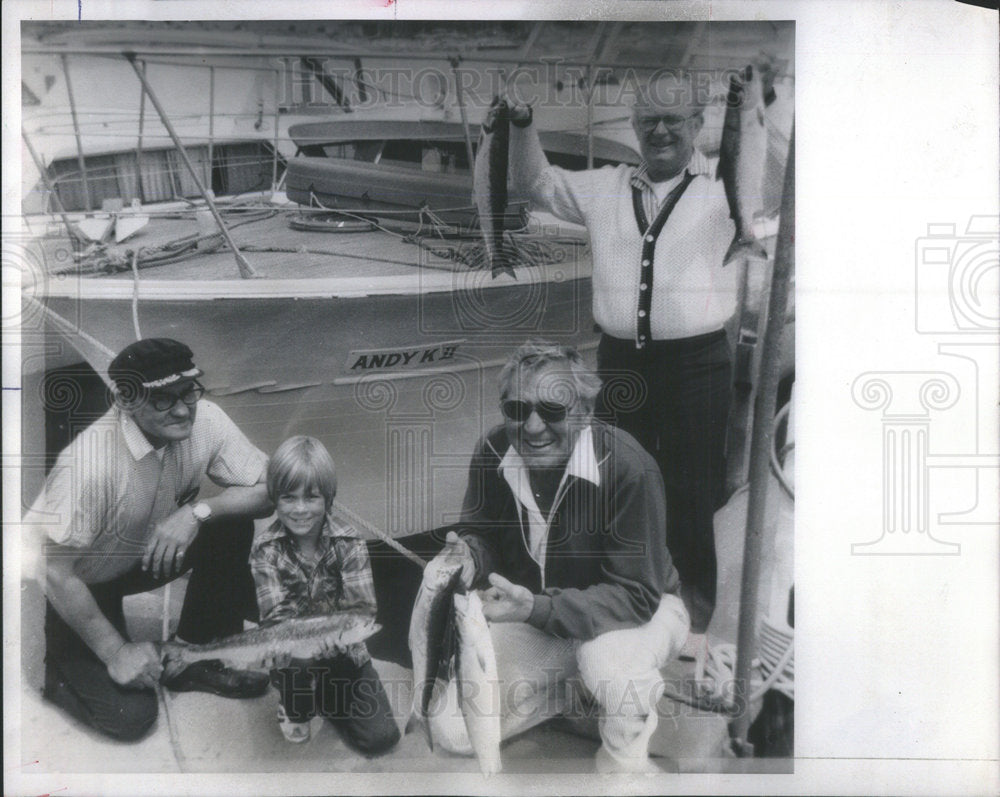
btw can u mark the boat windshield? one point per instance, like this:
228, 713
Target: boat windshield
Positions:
423, 155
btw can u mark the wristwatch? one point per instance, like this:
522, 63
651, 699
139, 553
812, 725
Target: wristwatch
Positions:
201, 511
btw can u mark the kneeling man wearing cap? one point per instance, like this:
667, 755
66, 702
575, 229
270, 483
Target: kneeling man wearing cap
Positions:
119, 515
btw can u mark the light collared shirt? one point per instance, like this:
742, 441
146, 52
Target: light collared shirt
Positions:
653, 193
110, 487
582, 464
692, 293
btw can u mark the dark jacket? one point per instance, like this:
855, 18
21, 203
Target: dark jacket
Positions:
606, 562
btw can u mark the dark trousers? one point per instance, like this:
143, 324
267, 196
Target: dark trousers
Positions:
350, 696
674, 397
219, 596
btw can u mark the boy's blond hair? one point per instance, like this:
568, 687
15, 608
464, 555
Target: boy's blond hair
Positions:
302, 461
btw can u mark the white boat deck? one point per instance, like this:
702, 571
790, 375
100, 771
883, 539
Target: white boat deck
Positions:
278, 252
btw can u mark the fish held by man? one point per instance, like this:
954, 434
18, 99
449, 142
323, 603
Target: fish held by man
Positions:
478, 685
741, 161
299, 638
489, 185
428, 628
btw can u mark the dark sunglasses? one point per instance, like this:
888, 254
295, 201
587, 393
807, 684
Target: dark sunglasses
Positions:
161, 402
520, 411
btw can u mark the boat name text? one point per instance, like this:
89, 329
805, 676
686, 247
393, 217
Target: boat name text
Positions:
401, 358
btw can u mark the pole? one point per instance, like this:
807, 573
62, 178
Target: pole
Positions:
76, 132
138, 144
461, 108
277, 113
211, 120
48, 184
590, 116
246, 270
760, 449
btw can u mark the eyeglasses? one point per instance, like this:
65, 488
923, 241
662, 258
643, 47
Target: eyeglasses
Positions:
672, 122
161, 402
520, 411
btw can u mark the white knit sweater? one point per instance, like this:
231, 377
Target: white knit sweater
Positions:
692, 293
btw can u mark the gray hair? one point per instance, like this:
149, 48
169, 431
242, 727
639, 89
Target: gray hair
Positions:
533, 355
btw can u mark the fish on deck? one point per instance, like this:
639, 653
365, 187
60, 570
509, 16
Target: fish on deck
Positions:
742, 158
298, 638
489, 185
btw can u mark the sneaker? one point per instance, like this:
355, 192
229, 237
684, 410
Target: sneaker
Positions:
295, 732
214, 677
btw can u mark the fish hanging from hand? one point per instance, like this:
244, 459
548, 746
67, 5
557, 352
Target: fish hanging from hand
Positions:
489, 185
428, 629
298, 638
741, 161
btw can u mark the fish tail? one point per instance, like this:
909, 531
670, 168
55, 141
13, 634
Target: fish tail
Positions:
752, 249
501, 263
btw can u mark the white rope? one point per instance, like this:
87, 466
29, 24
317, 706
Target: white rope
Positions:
135, 294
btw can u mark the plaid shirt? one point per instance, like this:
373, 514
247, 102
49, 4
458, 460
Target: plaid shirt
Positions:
288, 586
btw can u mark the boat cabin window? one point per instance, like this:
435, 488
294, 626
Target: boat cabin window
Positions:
428, 156
161, 175
425, 155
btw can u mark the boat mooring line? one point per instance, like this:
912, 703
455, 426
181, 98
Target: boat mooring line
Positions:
357, 520
70, 331
135, 294
246, 270
175, 742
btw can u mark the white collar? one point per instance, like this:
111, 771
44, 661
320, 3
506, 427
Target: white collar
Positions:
136, 441
699, 164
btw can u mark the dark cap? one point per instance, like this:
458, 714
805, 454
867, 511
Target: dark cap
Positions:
151, 363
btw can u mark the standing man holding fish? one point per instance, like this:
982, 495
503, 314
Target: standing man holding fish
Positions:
119, 515
562, 523
662, 292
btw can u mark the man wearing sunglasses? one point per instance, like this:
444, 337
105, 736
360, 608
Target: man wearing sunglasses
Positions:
661, 296
562, 525
120, 515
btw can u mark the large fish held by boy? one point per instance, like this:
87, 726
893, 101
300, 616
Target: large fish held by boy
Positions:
298, 637
741, 161
489, 185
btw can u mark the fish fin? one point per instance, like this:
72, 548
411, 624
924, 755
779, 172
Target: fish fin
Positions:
752, 249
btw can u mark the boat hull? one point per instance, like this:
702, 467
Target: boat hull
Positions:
399, 386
